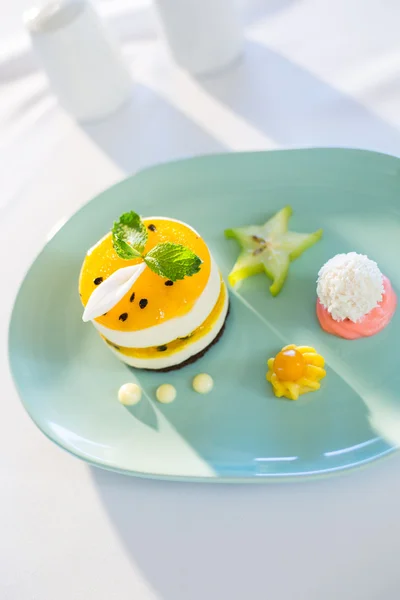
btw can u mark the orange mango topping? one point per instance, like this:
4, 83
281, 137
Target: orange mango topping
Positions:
152, 299
180, 343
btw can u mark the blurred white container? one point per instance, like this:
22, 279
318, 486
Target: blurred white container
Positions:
204, 35
82, 62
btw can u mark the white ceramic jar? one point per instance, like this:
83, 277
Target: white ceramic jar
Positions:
203, 35
82, 62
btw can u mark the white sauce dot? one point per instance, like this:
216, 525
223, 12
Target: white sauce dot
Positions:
203, 383
166, 393
129, 394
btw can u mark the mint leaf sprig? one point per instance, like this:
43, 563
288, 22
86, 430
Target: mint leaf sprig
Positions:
129, 235
172, 261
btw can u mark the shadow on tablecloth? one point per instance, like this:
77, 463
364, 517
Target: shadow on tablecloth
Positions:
226, 542
295, 108
283, 101
149, 130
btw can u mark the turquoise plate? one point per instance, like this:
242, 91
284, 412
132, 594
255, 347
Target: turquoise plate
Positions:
68, 379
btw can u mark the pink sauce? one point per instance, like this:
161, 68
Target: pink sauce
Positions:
370, 324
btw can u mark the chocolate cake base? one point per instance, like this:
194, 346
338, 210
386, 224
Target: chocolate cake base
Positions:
193, 358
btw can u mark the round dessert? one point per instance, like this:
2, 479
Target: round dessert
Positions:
354, 298
295, 370
159, 323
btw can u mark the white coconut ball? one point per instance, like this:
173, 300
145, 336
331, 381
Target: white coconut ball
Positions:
349, 286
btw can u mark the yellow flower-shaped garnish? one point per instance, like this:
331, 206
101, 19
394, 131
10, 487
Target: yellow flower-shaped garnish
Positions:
296, 370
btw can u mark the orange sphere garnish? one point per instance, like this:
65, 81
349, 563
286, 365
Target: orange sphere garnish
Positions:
289, 365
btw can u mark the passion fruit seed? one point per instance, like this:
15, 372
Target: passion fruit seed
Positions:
131, 299
162, 348
152, 227
98, 281
123, 317
143, 302
169, 283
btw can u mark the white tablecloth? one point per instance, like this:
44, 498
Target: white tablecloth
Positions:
314, 73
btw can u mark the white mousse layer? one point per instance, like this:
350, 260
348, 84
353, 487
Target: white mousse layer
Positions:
173, 328
189, 350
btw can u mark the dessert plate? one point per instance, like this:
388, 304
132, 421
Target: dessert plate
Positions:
68, 380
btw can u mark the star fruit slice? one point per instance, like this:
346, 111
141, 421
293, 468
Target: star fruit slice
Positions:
269, 248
